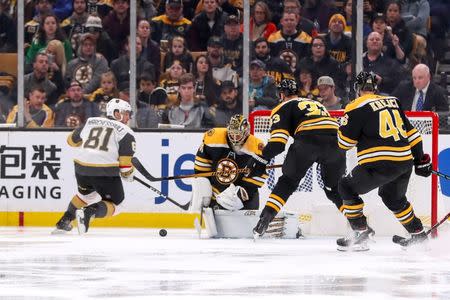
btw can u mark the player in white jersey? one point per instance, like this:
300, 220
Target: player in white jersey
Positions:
105, 148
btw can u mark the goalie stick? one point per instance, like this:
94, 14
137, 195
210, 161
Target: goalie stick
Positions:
398, 239
182, 206
140, 167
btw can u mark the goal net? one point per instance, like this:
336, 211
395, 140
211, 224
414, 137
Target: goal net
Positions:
319, 216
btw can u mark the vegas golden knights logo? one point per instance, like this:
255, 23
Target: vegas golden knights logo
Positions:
227, 171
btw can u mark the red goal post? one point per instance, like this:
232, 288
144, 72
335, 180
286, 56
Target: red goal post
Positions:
427, 123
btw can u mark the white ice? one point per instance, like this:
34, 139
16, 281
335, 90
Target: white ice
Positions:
138, 264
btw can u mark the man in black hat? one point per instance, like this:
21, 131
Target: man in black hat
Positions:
221, 70
233, 45
229, 105
171, 23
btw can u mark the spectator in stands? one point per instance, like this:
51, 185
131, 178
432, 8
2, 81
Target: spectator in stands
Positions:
117, 22
73, 25
121, 66
8, 32
206, 87
221, 70
62, 8
289, 43
262, 88
170, 81
416, 13
88, 66
75, 109
303, 24
260, 22
150, 48
146, 9
42, 7
395, 21
147, 117
320, 12
39, 77
233, 46
107, 90
57, 64
348, 20
178, 51
277, 68
440, 25
322, 63
190, 8
104, 44
36, 113
208, 23
421, 93
391, 42
307, 83
328, 98
48, 30
170, 24
188, 113
150, 94
387, 71
229, 105
338, 44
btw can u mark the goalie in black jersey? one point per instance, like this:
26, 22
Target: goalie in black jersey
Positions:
227, 150
315, 140
387, 147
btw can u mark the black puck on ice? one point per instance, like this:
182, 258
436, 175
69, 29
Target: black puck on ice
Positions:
162, 232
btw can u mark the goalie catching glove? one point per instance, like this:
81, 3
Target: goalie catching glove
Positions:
423, 167
256, 165
232, 197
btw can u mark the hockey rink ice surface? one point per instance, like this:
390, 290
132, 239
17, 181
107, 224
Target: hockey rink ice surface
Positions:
139, 264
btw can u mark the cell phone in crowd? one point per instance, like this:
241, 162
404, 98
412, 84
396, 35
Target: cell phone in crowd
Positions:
51, 58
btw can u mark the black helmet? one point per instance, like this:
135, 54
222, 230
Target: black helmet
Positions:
288, 87
365, 81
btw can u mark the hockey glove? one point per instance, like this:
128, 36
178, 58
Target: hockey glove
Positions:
256, 165
423, 167
230, 198
127, 175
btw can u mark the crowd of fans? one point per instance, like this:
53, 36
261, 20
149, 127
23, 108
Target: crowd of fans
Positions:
190, 56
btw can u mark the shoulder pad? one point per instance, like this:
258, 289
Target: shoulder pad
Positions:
215, 136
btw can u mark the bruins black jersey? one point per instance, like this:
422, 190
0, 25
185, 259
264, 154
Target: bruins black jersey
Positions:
297, 116
379, 129
216, 154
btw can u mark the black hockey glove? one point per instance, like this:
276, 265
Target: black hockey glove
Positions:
423, 167
256, 165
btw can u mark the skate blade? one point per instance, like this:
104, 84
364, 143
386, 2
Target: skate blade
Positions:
80, 222
59, 231
354, 248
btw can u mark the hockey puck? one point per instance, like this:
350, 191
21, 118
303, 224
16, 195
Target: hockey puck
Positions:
162, 232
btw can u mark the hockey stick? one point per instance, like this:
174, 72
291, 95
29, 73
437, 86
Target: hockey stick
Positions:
140, 167
182, 206
397, 239
440, 174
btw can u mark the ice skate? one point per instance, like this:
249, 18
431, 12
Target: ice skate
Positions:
356, 241
84, 216
416, 238
64, 225
262, 226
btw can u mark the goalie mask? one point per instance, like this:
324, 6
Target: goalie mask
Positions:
365, 81
238, 130
288, 87
119, 105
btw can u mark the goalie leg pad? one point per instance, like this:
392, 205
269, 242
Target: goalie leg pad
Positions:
201, 194
210, 222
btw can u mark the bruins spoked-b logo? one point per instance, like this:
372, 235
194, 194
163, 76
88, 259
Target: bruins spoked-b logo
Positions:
227, 171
